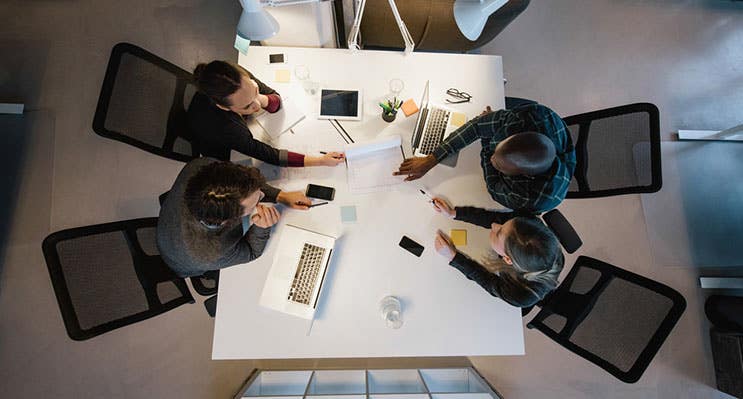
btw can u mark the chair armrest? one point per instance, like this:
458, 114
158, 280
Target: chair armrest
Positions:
565, 232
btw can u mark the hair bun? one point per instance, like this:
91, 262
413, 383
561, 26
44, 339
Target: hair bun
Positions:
198, 71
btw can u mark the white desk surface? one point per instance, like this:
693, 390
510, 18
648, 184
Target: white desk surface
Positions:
444, 313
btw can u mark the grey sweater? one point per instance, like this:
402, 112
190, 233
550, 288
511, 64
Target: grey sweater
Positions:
191, 248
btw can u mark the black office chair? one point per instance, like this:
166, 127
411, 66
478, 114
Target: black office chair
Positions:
617, 151
611, 317
143, 103
110, 275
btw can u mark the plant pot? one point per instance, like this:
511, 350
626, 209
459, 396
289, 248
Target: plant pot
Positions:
388, 117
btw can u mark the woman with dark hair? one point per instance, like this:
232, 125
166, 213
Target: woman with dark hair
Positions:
216, 117
527, 260
200, 226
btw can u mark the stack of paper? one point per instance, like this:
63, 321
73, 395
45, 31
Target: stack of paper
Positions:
370, 164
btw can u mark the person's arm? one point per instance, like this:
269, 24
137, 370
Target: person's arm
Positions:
481, 217
254, 241
249, 248
270, 192
485, 125
238, 137
292, 199
270, 100
502, 286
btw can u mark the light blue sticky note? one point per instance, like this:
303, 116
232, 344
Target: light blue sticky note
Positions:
348, 214
242, 44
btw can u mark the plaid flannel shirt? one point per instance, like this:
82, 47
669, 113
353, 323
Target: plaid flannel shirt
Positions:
531, 194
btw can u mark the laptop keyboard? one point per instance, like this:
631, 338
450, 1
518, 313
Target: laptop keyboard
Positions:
305, 278
433, 136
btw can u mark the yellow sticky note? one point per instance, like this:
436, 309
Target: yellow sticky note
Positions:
458, 236
458, 119
283, 75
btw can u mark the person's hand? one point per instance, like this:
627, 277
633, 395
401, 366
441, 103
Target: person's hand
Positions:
443, 207
416, 167
329, 159
265, 216
444, 246
294, 199
262, 100
487, 111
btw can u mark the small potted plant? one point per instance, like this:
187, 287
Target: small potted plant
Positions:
389, 109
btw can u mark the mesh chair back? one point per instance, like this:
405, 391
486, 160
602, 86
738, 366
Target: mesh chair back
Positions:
110, 275
143, 103
617, 151
613, 318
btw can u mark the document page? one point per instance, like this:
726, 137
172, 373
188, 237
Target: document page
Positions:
370, 164
278, 123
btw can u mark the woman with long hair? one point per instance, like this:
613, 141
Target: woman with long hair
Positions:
527, 258
216, 117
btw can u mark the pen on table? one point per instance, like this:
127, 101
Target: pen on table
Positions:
314, 205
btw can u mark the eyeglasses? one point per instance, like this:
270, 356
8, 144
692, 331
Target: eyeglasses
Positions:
461, 96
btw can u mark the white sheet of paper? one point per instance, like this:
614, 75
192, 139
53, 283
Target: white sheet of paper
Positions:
278, 123
370, 164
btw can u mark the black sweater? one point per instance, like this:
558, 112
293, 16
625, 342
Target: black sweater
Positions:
510, 287
216, 132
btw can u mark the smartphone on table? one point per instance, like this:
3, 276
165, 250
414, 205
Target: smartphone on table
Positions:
320, 192
411, 246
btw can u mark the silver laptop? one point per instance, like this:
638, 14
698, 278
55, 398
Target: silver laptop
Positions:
296, 277
432, 127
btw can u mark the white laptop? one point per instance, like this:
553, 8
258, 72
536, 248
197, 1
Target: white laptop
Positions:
432, 127
296, 278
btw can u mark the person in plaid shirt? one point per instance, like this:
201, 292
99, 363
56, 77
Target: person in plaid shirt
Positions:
528, 158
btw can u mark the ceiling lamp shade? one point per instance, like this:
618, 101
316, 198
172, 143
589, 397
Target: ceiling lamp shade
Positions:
471, 15
255, 23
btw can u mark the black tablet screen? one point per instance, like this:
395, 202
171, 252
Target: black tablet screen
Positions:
339, 103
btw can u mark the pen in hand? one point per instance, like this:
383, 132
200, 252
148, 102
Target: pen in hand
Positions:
427, 195
325, 153
314, 205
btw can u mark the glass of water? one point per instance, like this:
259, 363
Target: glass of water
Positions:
302, 72
391, 311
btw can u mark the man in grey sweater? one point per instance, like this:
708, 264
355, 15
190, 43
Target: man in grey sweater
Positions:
200, 224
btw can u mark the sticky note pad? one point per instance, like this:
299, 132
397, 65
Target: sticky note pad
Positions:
283, 75
458, 119
458, 236
409, 107
348, 214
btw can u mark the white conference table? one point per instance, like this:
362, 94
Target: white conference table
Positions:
444, 313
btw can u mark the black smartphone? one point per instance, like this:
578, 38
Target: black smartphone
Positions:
276, 59
320, 192
411, 246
